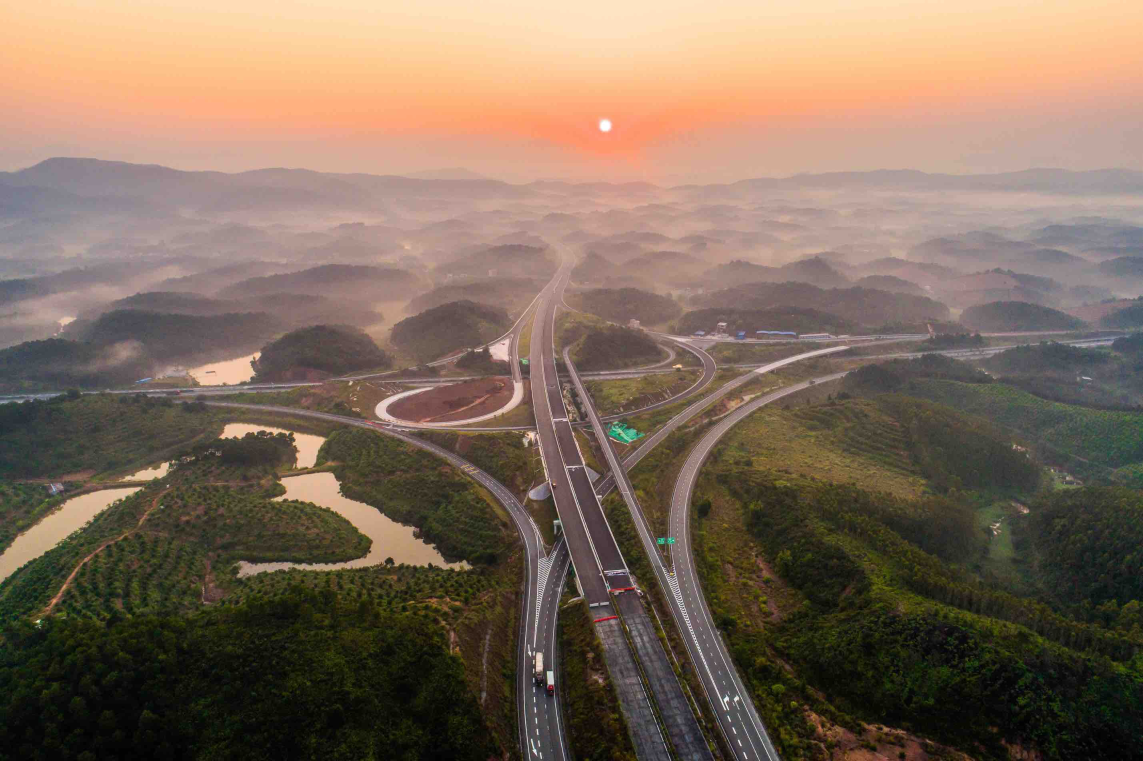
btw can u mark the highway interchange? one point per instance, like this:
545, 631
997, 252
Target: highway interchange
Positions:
588, 542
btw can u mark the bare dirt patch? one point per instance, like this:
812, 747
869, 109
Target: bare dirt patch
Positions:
459, 401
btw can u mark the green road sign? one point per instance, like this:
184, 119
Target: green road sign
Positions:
666, 540
670, 540
662, 540
523, 361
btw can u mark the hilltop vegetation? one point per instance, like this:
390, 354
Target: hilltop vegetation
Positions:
96, 432
1073, 375
338, 281
326, 349
857, 305
796, 319
1086, 542
844, 604
442, 330
1130, 317
895, 374
1097, 437
170, 337
291, 309
623, 304
124, 345
1015, 316
512, 294
224, 684
613, 347
943, 341
512, 260
814, 271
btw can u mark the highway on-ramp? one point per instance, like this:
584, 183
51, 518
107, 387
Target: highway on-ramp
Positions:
730, 700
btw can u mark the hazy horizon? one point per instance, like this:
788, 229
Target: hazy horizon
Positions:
516, 91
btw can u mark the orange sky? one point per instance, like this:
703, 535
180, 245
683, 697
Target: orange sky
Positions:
501, 82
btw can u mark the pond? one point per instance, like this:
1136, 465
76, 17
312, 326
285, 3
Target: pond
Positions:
230, 371
149, 474
307, 444
390, 539
53, 529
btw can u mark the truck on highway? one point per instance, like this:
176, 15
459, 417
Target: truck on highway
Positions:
538, 674
551, 683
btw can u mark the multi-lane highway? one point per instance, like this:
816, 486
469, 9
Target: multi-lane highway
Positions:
599, 565
594, 551
729, 698
736, 716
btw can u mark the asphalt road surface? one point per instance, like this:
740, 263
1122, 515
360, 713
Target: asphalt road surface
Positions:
729, 699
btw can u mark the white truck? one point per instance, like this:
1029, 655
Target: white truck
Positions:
551, 683
538, 673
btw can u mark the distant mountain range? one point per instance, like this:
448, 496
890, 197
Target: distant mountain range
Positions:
85, 178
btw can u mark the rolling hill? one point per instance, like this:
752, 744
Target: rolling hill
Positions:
1014, 316
439, 331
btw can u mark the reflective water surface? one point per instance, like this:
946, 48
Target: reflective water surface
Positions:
307, 444
229, 371
70, 516
390, 539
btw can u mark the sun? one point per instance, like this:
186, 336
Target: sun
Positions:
604, 125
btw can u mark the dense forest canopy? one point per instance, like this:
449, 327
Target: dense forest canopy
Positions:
99, 432
1009, 316
1044, 357
1088, 541
623, 304
860, 306
125, 345
613, 346
359, 282
442, 330
224, 683
328, 349
795, 319
896, 373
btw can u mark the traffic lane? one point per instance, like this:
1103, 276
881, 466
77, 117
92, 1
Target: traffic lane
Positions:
544, 711
604, 542
575, 528
568, 446
734, 708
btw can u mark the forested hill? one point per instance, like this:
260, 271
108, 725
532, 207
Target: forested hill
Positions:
292, 309
510, 260
614, 347
168, 337
862, 306
1011, 316
442, 330
1087, 546
623, 304
227, 683
796, 319
322, 349
334, 280
510, 293
125, 345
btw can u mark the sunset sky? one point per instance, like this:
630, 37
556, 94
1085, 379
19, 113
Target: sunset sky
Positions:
515, 89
